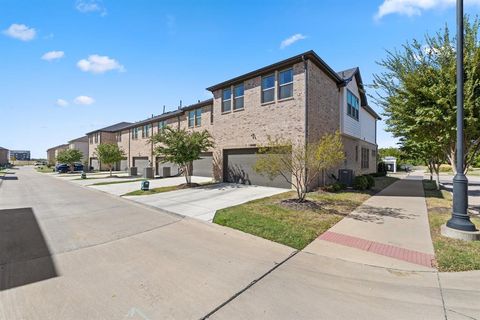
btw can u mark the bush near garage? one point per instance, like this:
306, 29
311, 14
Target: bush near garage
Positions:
360, 183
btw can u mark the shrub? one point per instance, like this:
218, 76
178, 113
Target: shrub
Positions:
335, 187
360, 183
382, 168
370, 181
445, 168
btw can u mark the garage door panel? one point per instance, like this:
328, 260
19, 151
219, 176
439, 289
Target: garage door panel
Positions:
203, 167
174, 168
239, 169
141, 163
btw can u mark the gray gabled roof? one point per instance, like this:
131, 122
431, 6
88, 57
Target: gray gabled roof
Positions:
1, 148
309, 55
81, 139
57, 147
160, 117
199, 104
113, 128
347, 76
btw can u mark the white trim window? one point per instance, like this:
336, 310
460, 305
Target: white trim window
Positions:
268, 88
226, 100
285, 84
119, 136
146, 131
238, 94
191, 118
198, 117
352, 105
135, 133
162, 125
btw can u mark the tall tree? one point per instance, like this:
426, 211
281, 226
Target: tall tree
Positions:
70, 157
181, 147
417, 91
109, 154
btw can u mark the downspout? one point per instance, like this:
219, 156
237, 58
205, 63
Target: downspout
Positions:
129, 139
305, 68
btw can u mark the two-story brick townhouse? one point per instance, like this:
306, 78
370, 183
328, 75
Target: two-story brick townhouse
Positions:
103, 135
300, 99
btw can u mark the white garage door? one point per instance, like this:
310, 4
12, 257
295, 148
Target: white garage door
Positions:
94, 164
141, 163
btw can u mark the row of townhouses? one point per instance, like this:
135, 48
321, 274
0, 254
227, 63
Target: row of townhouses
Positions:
299, 99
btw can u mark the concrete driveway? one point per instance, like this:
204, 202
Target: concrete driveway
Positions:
202, 202
123, 188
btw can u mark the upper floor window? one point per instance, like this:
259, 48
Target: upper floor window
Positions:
191, 118
285, 84
97, 136
238, 93
198, 117
135, 133
119, 137
352, 105
268, 88
226, 100
90, 139
162, 125
146, 131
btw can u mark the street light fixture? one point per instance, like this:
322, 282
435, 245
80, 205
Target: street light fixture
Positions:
460, 219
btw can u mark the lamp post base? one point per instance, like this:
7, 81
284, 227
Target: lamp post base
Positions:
459, 234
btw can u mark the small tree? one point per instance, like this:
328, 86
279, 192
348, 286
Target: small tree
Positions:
109, 153
300, 165
70, 157
181, 147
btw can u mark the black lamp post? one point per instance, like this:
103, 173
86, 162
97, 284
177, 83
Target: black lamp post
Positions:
460, 219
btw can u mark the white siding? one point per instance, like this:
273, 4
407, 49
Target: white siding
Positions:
350, 125
367, 124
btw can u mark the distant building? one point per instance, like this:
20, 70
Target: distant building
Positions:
80, 144
4, 156
23, 155
391, 163
53, 152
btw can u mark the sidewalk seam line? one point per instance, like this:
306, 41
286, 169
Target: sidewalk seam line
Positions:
251, 284
441, 296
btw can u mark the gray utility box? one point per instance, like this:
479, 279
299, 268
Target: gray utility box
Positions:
132, 171
148, 173
166, 172
345, 176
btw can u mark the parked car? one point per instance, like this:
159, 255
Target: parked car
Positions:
64, 168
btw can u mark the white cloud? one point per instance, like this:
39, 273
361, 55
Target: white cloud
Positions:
52, 55
415, 7
85, 100
291, 40
21, 32
61, 103
86, 6
99, 64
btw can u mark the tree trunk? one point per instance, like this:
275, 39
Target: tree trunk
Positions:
437, 175
452, 159
110, 170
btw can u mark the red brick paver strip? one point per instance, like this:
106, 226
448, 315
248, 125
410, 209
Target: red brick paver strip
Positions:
412, 256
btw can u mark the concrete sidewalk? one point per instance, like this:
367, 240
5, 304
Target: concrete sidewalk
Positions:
389, 230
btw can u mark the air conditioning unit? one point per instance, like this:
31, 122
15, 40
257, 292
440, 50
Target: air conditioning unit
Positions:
345, 176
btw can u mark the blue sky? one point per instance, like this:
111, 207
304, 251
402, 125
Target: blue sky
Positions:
69, 67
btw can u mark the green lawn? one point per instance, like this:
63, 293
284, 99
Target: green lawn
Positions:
112, 182
160, 190
44, 169
451, 254
270, 219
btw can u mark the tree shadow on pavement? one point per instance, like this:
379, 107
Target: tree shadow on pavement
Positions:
377, 215
24, 254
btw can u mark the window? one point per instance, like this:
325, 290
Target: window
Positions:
135, 133
198, 117
356, 153
238, 97
146, 131
97, 136
162, 125
285, 84
352, 105
191, 118
365, 158
90, 139
268, 88
119, 137
226, 100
